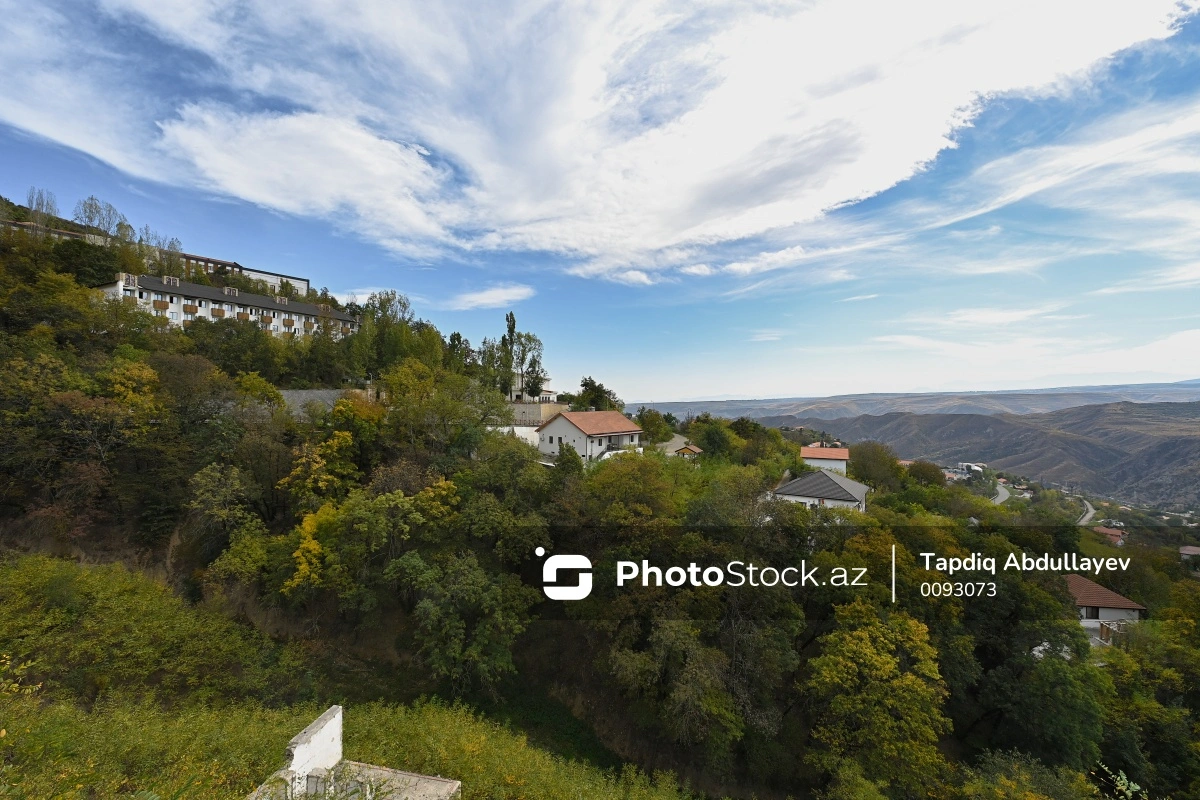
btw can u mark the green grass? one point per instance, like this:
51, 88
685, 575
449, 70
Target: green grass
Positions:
143, 692
123, 746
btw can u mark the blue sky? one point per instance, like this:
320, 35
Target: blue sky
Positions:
684, 201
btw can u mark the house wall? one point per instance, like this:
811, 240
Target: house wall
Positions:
824, 503
834, 464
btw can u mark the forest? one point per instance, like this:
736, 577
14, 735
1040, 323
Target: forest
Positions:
184, 554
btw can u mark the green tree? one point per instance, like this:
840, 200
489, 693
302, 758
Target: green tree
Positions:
926, 473
876, 465
877, 695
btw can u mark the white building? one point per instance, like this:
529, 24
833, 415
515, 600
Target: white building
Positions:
591, 433
1101, 611
216, 265
824, 489
182, 303
836, 459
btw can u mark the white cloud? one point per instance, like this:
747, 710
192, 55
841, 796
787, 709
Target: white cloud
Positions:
858, 298
493, 297
624, 135
766, 336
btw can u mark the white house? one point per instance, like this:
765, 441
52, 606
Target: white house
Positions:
836, 459
824, 489
1101, 611
591, 433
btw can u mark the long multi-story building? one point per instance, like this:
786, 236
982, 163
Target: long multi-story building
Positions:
182, 303
194, 262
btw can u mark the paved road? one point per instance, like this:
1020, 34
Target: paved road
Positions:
1088, 513
1001, 494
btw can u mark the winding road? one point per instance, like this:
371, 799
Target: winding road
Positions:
1088, 513
1002, 494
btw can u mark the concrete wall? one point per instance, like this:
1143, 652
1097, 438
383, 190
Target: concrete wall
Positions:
535, 413
317, 747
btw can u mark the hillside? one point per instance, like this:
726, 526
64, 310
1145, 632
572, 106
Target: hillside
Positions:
1032, 401
1144, 451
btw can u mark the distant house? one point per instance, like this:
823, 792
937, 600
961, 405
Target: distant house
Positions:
1114, 536
1188, 552
592, 433
1101, 611
688, 451
824, 489
831, 458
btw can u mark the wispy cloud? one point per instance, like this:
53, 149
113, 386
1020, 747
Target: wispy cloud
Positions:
858, 298
766, 336
493, 297
657, 130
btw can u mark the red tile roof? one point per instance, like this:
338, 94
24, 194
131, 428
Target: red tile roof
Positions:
1090, 593
597, 423
690, 448
831, 453
1108, 531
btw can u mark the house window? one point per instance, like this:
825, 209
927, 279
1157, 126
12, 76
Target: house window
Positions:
201, 304
1091, 612
174, 299
159, 312
275, 328
129, 292
189, 316
174, 315
158, 295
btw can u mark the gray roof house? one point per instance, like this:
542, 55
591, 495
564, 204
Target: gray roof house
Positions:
824, 489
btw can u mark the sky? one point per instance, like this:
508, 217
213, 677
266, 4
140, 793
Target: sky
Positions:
683, 200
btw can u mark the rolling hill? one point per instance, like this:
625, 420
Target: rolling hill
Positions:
1022, 401
1144, 452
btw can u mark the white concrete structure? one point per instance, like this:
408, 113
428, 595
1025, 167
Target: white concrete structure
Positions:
1101, 611
824, 489
835, 459
216, 265
591, 433
315, 768
182, 303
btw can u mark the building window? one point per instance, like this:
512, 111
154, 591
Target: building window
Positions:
1091, 612
159, 312
129, 292
158, 295
173, 299
229, 306
189, 316
174, 315
275, 328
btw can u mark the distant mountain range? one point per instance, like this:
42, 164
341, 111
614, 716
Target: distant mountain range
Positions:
1143, 452
1020, 401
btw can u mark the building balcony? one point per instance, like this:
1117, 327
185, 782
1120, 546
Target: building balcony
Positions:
218, 313
190, 309
243, 316
161, 305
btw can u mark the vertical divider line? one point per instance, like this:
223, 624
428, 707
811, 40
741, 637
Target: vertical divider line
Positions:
893, 573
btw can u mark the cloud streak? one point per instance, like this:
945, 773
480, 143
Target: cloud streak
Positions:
492, 297
630, 140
